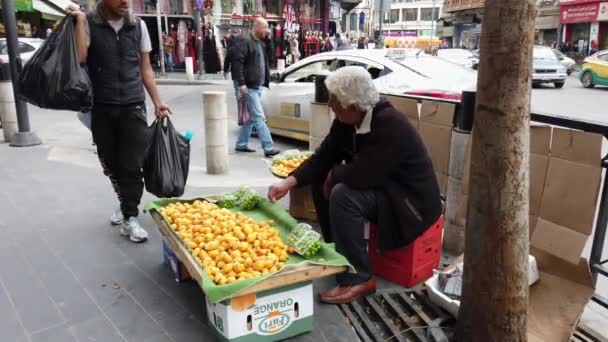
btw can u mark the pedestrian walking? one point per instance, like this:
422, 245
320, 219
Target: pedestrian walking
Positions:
169, 50
115, 46
250, 70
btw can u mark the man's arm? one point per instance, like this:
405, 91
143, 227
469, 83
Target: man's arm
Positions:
238, 63
80, 34
161, 110
227, 61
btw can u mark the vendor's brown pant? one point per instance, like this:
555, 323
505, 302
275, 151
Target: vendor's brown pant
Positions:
342, 218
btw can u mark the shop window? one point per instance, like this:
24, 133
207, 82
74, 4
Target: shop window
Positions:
394, 16
410, 14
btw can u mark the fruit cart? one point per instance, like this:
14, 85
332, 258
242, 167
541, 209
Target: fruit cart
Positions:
274, 308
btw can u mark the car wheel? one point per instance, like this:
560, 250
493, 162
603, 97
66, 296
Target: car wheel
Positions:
587, 80
535, 84
559, 85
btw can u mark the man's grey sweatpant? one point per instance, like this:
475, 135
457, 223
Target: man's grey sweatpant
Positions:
342, 220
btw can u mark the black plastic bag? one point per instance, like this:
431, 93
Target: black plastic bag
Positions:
167, 161
53, 78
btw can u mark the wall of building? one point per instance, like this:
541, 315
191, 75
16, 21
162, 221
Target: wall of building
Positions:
412, 16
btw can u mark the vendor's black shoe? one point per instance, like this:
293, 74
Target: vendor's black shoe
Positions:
271, 153
244, 149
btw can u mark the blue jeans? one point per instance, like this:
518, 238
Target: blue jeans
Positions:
254, 104
169, 61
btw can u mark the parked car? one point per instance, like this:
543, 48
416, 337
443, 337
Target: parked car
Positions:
27, 48
566, 61
547, 68
462, 57
595, 70
287, 104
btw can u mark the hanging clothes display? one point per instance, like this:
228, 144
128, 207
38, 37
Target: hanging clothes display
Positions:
210, 56
191, 45
182, 37
173, 34
278, 38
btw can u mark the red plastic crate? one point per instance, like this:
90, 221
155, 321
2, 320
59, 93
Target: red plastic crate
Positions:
412, 264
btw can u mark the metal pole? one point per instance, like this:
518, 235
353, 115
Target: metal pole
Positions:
24, 137
433, 22
160, 38
199, 42
600, 228
381, 17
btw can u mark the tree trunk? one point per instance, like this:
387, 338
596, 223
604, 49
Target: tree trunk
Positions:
495, 288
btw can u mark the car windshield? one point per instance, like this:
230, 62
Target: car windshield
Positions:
558, 53
544, 53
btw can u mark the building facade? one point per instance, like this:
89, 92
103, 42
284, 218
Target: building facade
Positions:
411, 18
584, 24
359, 21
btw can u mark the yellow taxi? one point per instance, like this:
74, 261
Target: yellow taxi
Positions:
595, 70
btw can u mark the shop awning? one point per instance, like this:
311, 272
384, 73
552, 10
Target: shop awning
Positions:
62, 4
47, 12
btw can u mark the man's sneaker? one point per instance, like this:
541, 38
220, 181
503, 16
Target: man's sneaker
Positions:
116, 219
133, 230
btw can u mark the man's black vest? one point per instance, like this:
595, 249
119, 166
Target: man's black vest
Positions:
113, 61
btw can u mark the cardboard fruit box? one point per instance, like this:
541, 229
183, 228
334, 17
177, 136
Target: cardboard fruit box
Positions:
266, 316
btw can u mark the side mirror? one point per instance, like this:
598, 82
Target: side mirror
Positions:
275, 77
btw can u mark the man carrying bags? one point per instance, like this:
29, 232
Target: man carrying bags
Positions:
115, 46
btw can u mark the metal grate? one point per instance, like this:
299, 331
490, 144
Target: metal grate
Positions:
398, 315
582, 335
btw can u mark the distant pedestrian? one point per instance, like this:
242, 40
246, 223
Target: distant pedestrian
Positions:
48, 32
169, 49
342, 43
251, 72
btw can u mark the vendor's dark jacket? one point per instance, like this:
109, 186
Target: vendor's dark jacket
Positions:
391, 160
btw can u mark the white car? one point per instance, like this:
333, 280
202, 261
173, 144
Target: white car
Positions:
566, 61
395, 71
463, 57
547, 68
27, 48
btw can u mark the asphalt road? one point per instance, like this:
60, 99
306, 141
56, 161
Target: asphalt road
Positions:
572, 100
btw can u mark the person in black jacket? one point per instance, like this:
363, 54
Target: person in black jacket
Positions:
250, 70
372, 167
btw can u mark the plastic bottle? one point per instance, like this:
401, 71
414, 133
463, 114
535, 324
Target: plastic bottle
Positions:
188, 135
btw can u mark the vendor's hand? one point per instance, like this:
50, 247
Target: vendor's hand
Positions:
328, 185
243, 91
280, 189
161, 111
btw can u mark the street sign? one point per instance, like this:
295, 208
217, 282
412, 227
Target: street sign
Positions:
24, 5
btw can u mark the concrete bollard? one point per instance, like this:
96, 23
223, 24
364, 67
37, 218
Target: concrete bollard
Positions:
280, 65
216, 131
189, 69
8, 111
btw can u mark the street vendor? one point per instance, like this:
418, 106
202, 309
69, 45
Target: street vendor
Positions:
372, 167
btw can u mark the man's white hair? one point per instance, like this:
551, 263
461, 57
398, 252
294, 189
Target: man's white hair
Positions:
353, 85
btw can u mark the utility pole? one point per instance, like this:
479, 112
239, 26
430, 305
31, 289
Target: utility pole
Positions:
161, 48
495, 286
24, 137
381, 17
199, 41
433, 23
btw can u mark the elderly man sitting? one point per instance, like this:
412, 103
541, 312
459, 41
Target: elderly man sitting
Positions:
372, 167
